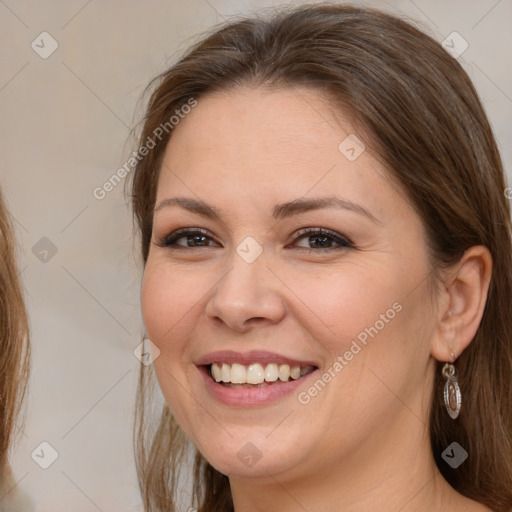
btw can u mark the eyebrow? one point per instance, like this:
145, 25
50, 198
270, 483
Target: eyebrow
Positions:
281, 210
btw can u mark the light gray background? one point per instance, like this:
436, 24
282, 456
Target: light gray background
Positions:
63, 127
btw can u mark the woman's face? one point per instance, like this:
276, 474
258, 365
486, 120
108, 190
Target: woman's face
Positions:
289, 252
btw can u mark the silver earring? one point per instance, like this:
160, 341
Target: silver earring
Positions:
452, 396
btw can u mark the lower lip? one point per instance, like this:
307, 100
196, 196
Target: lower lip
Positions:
251, 397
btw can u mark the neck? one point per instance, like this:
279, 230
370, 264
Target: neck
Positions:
385, 473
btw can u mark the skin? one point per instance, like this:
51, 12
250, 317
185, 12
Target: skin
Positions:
362, 443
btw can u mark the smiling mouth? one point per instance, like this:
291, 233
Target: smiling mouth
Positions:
255, 375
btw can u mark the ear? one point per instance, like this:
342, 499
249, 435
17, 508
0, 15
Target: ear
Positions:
461, 303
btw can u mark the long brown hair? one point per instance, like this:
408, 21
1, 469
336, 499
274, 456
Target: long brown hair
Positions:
14, 342
416, 108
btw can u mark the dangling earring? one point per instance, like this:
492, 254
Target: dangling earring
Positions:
452, 396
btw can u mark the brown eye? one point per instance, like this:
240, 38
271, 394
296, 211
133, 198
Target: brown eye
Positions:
322, 239
186, 239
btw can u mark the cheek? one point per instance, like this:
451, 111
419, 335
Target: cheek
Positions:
347, 302
165, 304
164, 301
154, 301
371, 320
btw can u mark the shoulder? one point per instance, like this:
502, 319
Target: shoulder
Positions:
17, 501
14, 498
468, 505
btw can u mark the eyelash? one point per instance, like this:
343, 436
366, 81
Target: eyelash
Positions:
168, 241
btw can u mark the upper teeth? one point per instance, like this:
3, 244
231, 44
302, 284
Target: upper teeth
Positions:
256, 373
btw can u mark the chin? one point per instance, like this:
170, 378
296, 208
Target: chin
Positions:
251, 456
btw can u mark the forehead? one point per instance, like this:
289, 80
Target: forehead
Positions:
261, 117
260, 143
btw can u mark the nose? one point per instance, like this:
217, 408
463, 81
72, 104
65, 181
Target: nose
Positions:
247, 296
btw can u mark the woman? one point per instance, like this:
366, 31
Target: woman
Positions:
14, 362
328, 274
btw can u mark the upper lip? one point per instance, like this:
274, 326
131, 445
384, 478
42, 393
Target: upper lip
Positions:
254, 356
